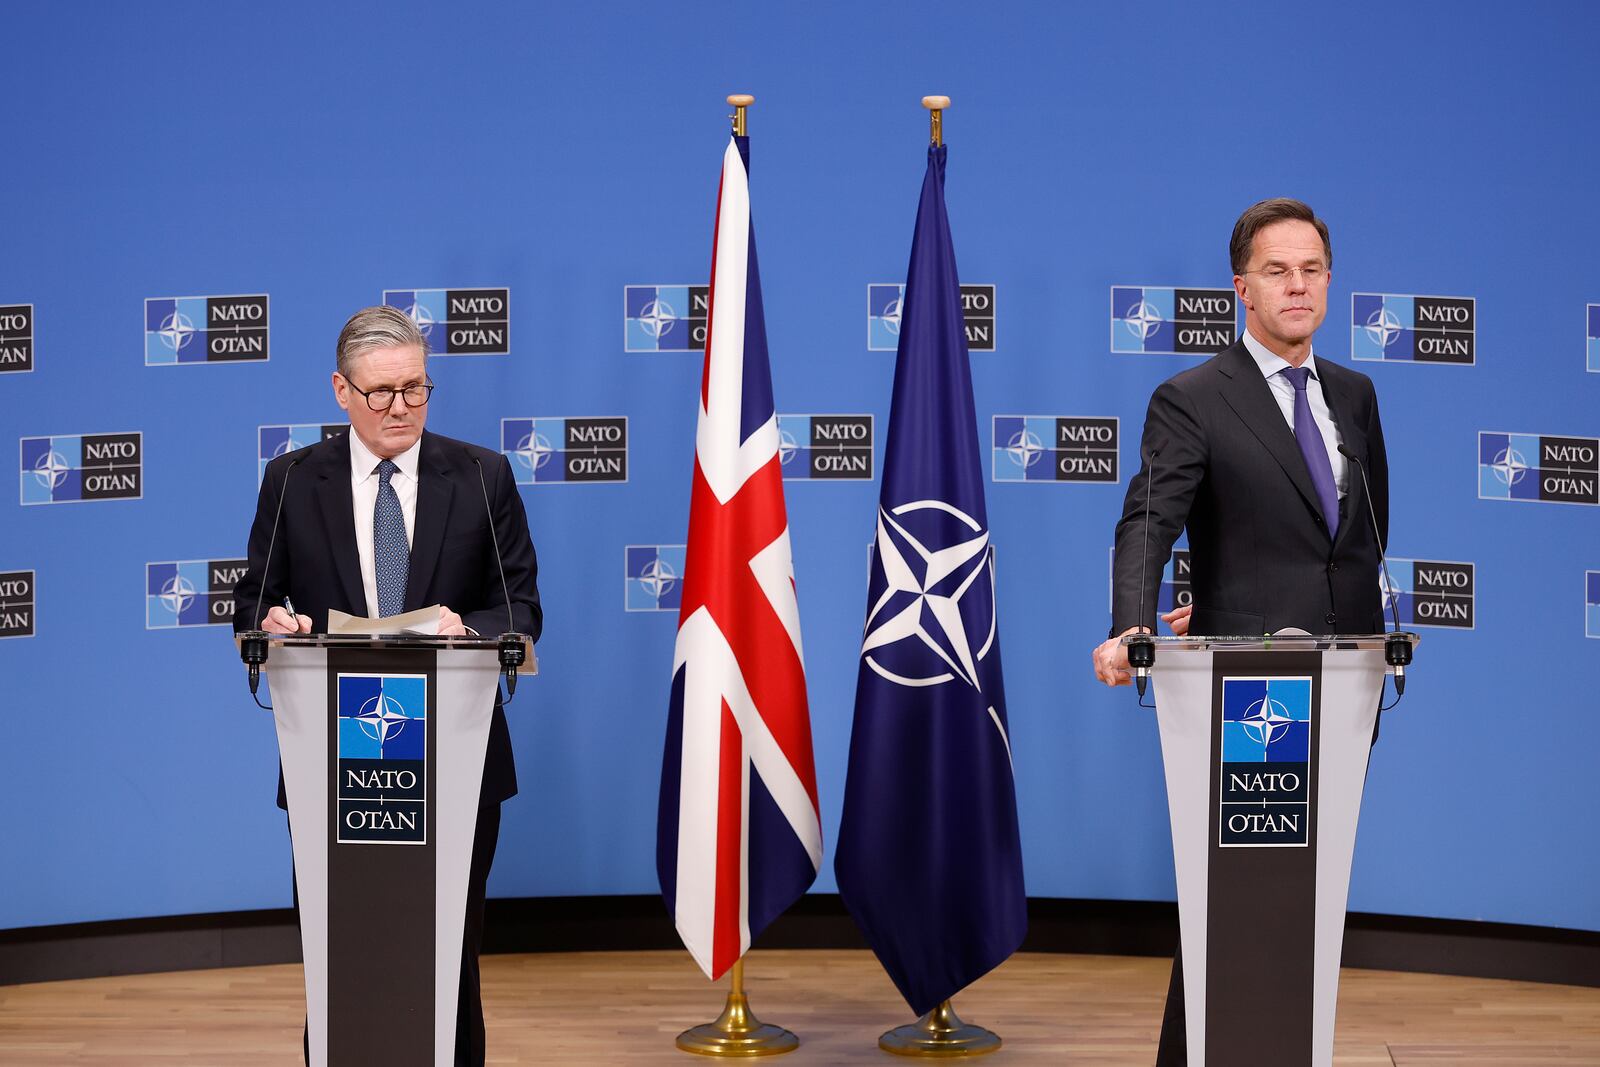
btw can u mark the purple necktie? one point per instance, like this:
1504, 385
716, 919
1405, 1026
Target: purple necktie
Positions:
1312, 448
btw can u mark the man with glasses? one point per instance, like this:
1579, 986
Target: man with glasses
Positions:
1244, 452
386, 519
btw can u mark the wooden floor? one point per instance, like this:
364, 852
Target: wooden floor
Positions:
624, 1008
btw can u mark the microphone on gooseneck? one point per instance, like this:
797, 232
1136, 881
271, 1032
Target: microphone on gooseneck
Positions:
512, 653
1142, 646
253, 642
1396, 649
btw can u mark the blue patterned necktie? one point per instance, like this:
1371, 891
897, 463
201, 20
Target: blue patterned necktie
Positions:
1313, 449
391, 556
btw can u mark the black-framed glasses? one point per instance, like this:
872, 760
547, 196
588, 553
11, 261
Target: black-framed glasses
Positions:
382, 399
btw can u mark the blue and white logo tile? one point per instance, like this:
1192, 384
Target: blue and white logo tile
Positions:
1264, 756
18, 601
825, 447
665, 318
654, 577
1592, 349
190, 592
71, 468
1054, 448
884, 300
186, 330
1430, 592
1538, 468
1398, 328
1162, 320
458, 322
275, 441
383, 758
559, 451
16, 338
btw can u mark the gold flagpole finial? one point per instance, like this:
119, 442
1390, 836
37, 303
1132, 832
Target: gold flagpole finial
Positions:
936, 106
740, 101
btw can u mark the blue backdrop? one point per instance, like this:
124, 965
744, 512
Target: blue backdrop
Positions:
324, 154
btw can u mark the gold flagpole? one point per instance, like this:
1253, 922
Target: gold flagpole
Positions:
940, 1032
737, 1031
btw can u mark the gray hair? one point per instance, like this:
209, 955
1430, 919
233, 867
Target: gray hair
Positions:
376, 327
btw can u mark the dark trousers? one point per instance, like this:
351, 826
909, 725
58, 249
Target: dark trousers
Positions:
470, 1049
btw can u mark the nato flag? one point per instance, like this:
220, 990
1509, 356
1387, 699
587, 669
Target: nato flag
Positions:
929, 862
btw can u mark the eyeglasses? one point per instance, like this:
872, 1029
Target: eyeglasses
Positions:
382, 399
1277, 275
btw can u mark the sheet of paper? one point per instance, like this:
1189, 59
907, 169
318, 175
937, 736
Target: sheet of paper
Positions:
421, 621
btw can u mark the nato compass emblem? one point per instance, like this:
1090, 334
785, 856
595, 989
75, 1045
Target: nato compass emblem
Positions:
933, 621
654, 577
383, 758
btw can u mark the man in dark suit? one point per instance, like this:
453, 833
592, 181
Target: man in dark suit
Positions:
388, 518
1243, 451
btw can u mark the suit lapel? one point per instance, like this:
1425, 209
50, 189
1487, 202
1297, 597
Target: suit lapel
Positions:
338, 516
435, 487
1247, 393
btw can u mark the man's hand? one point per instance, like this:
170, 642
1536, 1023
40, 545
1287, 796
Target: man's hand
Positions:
279, 621
1178, 619
1111, 659
450, 624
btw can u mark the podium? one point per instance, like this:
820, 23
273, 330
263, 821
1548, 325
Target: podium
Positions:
382, 742
1265, 744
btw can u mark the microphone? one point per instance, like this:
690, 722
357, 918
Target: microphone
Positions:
512, 652
1142, 646
1396, 649
253, 643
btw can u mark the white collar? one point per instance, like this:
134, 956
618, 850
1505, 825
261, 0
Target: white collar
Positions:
363, 464
1270, 362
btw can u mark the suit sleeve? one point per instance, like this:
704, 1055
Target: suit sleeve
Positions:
1171, 428
256, 585
521, 565
1378, 470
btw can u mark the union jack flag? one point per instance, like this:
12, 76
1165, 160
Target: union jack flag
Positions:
739, 836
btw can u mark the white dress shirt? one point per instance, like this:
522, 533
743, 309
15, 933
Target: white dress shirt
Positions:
1271, 365
364, 500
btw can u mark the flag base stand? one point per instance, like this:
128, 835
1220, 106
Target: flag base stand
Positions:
737, 1032
939, 1033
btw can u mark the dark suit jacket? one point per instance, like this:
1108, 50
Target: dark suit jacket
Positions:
1230, 471
452, 556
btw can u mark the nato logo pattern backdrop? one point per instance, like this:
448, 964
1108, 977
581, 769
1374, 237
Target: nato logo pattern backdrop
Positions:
825, 447
458, 322
883, 316
383, 759
205, 329
1161, 320
82, 467
544, 451
665, 318
1428, 592
1052, 448
653, 577
1540, 468
1413, 329
16, 338
1264, 758
274, 441
190, 592
16, 604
